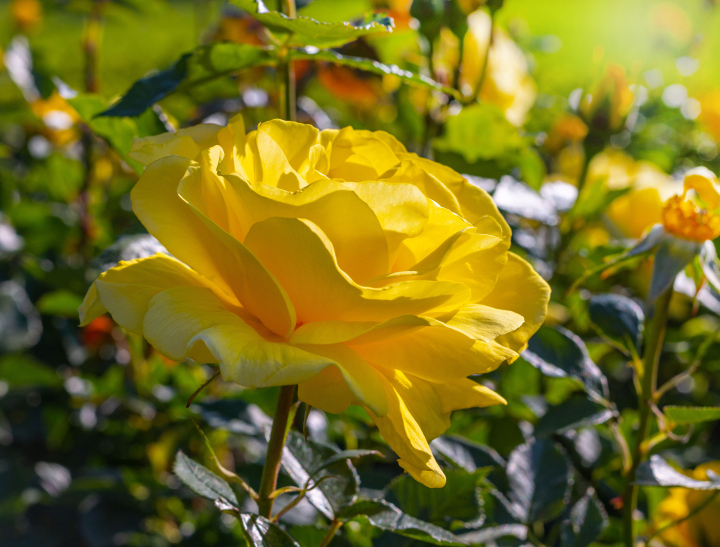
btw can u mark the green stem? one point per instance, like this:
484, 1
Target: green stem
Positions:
655, 327
334, 527
278, 434
286, 74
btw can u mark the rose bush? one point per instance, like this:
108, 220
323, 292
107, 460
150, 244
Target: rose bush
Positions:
334, 260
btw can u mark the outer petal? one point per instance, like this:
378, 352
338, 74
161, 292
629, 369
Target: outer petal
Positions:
354, 377
484, 323
348, 221
705, 183
520, 289
191, 322
197, 241
302, 258
436, 353
126, 289
419, 411
186, 143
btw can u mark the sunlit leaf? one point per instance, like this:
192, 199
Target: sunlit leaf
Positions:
671, 257
375, 67
466, 454
20, 325
386, 516
657, 472
305, 31
61, 303
692, 414
203, 481
202, 65
260, 532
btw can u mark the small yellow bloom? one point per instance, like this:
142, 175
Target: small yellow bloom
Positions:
26, 13
508, 83
700, 530
59, 117
685, 217
641, 207
335, 260
710, 113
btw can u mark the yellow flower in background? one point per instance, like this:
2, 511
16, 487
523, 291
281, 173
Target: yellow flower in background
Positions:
700, 530
334, 260
710, 113
609, 102
59, 117
26, 13
508, 83
642, 206
696, 219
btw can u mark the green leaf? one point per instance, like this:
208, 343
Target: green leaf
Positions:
260, 532
492, 533
127, 247
375, 67
692, 414
479, 132
118, 132
305, 460
61, 303
539, 478
202, 65
657, 472
347, 455
466, 454
203, 481
574, 413
586, 522
618, 318
594, 199
386, 516
561, 354
671, 257
304, 31
532, 167
20, 371
459, 499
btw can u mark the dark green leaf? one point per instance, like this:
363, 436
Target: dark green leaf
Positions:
657, 472
260, 532
118, 132
539, 477
466, 454
430, 14
671, 257
587, 521
304, 31
560, 353
305, 460
458, 500
692, 414
375, 67
203, 481
574, 413
347, 455
386, 516
618, 317
532, 167
202, 65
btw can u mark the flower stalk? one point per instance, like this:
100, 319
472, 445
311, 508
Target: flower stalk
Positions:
656, 326
281, 422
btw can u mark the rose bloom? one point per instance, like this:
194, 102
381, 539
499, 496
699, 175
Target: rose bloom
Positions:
701, 529
333, 260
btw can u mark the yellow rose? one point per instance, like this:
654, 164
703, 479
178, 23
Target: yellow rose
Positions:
508, 83
640, 208
700, 530
710, 113
609, 103
334, 260
696, 219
